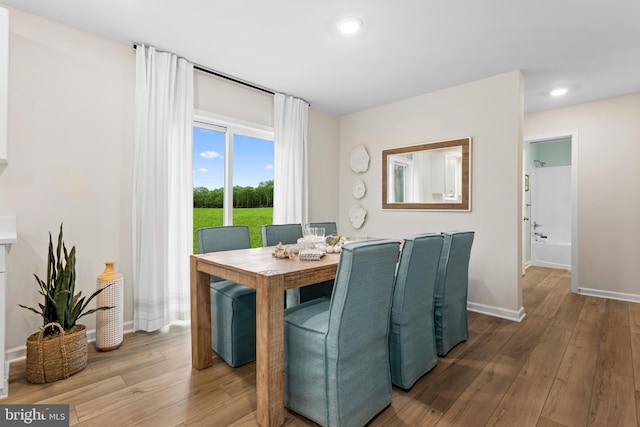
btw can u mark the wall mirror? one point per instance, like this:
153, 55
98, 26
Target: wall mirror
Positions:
433, 176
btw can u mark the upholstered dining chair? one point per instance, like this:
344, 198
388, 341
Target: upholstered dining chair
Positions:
412, 342
330, 227
233, 306
336, 353
323, 289
287, 234
450, 298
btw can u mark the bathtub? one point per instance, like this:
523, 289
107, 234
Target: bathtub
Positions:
549, 253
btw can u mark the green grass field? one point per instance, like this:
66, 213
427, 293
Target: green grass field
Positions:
253, 217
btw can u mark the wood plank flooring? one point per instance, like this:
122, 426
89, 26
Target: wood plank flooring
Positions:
573, 361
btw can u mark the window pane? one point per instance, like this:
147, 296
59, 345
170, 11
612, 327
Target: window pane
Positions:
398, 191
252, 184
208, 179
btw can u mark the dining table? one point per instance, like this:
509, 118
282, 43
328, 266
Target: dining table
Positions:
270, 277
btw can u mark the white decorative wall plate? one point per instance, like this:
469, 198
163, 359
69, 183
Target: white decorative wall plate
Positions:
359, 159
357, 215
358, 190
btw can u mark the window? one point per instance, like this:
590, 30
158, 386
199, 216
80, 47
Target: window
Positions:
400, 168
232, 175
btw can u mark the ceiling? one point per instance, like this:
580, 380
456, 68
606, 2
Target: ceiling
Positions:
406, 48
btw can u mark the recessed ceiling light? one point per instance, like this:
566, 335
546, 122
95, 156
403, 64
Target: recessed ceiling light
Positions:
349, 26
561, 91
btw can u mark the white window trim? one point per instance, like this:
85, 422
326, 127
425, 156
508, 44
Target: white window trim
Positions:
234, 125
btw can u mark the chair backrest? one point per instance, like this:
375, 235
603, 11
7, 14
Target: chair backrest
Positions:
412, 335
453, 271
330, 227
222, 238
287, 234
359, 319
416, 278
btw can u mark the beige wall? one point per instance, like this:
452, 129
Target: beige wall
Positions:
71, 135
490, 112
608, 144
324, 167
220, 96
71, 127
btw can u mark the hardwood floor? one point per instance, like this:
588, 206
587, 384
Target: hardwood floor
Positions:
573, 361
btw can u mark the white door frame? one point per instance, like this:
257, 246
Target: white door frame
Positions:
573, 134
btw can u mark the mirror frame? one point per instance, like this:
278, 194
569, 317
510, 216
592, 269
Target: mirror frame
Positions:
465, 205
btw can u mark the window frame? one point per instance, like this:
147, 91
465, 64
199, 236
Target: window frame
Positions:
231, 127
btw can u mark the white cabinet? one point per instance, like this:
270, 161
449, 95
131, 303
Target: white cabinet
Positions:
7, 237
4, 82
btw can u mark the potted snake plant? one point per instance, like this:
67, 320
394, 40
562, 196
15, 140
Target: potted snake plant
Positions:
59, 349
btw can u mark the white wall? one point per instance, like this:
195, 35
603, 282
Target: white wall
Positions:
220, 96
71, 135
489, 111
608, 144
71, 127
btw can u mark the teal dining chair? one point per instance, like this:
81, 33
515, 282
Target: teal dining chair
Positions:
233, 306
336, 353
450, 298
412, 342
323, 289
330, 227
288, 234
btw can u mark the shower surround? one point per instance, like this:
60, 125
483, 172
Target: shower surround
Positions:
551, 208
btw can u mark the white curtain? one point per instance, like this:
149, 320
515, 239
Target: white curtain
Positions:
290, 200
290, 189
162, 194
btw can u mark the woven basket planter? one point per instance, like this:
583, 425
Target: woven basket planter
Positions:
53, 358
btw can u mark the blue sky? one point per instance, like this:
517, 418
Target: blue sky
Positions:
252, 159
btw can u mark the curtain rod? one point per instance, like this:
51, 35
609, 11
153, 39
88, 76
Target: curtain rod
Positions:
228, 77
233, 79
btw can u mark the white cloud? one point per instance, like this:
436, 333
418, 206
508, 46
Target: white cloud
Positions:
269, 167
210, 155
203, 170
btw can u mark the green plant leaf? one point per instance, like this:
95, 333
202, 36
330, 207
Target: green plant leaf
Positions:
61, 303
31, 308
93, 310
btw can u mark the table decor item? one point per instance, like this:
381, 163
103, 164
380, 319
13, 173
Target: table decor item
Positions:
310, 255
285, 251
59, 349
109, 324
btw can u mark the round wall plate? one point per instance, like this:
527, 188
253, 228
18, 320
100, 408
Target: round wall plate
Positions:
359, 189
359, 160
357, 215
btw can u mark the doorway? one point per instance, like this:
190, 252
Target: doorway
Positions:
550, 199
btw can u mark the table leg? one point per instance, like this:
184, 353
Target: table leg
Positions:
201, 352
270, 350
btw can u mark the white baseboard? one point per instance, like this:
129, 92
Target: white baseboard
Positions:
503, 313
609, 294
20, 353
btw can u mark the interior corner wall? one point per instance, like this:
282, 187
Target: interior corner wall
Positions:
489, 111
608, 148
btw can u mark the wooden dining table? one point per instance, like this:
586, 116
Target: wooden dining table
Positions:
270, 277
